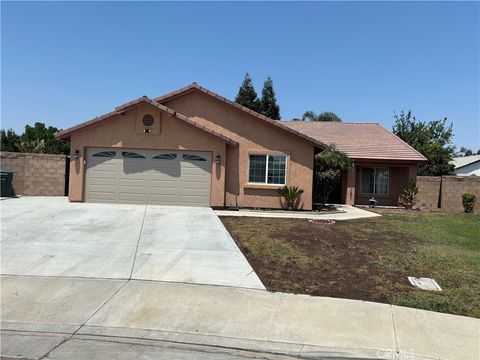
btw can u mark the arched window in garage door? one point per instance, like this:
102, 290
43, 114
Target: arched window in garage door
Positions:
105, 154
167, 156
193, 157
132, 155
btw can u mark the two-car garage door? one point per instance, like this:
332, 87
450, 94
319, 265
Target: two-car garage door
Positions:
148, 177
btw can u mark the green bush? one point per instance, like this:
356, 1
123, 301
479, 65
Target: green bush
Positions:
468, 201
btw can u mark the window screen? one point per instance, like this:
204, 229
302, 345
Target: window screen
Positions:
267, 169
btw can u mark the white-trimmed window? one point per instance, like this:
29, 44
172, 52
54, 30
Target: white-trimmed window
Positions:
267, 169
375, 181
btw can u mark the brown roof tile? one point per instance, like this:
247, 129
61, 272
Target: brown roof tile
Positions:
65, 134
359, 140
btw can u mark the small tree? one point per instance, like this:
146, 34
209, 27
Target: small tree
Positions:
247, 96
327, 116
268, 103
329, 165
468, 202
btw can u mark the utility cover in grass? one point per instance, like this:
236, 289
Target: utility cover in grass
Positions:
424, 283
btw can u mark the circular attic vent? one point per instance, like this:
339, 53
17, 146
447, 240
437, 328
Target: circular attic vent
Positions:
148, 120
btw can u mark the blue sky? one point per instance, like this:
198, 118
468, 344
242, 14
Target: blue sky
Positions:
66, 62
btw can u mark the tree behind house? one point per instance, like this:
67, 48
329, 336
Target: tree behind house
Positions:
268, 103
432, 139
247, 96
37, 138
9, 140
326, 116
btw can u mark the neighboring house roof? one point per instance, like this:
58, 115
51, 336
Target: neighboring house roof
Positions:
359, 140
462, 161
65, 134
277, 123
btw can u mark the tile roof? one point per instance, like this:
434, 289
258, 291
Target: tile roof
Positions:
359, 140
65, 134
462, 161
277, 123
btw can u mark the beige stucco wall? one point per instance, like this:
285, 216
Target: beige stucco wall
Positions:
253, 136
123, 131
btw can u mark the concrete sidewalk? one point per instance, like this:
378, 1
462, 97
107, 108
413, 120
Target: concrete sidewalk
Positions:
345, 212
55, 316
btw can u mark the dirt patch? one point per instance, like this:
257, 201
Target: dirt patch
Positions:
342, 259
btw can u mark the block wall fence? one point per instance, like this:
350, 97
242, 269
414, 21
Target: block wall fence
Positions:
444, 193
36, 174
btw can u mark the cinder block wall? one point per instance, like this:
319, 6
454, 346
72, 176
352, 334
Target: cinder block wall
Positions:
447, 191
429, 191
453, 187
36, 174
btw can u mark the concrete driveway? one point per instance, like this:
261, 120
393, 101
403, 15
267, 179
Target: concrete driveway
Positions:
48, 236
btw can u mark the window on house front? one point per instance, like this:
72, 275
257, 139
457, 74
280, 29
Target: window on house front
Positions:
267, 169
375, 181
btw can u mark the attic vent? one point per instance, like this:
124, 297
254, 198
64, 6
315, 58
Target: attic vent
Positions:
148, 120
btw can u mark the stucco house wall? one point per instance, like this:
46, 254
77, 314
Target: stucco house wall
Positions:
254, 137
122, 131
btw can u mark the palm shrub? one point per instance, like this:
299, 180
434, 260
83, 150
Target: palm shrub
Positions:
291, 195
468, 202
409, 195
329, 165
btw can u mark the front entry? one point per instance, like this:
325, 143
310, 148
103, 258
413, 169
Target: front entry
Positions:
160, 177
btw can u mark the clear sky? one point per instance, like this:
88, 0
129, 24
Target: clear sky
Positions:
66, 62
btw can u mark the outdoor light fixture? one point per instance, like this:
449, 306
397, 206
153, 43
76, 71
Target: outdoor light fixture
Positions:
217, 159
76, 154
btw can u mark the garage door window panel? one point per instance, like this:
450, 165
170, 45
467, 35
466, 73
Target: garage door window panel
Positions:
132, 155
165, 156
192, 157
105, 154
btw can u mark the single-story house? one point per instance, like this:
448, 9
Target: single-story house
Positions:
467, 165
195, 147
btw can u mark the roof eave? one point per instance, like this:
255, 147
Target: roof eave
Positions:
121, 109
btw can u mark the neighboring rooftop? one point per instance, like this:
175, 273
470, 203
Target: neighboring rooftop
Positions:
462, 161
359, 140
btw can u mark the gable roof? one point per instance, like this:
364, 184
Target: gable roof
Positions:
360, 140
65, 134
277, 123
462, 161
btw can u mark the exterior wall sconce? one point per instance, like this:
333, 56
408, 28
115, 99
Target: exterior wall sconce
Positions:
217, 159
76, 154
